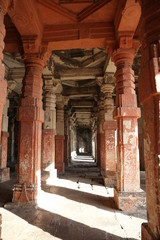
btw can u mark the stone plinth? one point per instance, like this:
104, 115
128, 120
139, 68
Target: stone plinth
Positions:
129, 201
59, 154
110, 179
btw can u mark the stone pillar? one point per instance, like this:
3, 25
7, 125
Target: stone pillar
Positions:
109, 128
60, 137
66, 134
3, 83
49, 173
94, 135
30, 117
4, 171
100, 136
149, 94
126, 113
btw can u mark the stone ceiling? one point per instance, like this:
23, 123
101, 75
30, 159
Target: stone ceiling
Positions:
76, 72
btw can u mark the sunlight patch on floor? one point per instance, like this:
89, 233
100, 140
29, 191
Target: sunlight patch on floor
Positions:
94, 214
14, 227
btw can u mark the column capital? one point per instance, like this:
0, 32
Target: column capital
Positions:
107, 89
123, 55
34, 50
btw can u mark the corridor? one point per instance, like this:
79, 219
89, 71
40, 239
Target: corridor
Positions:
76, 206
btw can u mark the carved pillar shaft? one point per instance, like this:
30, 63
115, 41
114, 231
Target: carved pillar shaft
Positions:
66, 141
48, 136
100, 136
149, 93
30, 117
126, 114
60, 138
109, 128
4, 171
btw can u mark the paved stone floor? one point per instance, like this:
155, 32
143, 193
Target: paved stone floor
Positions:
75, 207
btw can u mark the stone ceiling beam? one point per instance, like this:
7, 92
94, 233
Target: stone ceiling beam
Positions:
88, 91
127, 16
26, 19
54, 33
80, 73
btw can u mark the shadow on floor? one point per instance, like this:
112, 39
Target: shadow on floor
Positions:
59, 226
83, 197
6, 192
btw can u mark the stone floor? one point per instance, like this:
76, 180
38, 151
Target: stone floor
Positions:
75, 207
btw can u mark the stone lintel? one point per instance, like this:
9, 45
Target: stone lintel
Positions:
129, 201
110, 179
109, 125
127, 112
146, 233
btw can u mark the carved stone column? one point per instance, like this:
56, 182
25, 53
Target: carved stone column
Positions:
126, 114
100, 136
149, 93
94, 135
30, 117
66, 140
109, 128
60, 135
4, 171
49, 173
3, 85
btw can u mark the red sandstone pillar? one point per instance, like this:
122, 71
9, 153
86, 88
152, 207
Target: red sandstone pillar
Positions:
100, 137
3, 85
49, 173
4, 171
149, 93
109, 128
59, 154
30, 116
66, 138
126, 114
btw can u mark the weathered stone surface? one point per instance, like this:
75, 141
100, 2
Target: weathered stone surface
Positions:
110, 179
48, 155
126, 114
31, 117
149, 93
59, 156
129, 201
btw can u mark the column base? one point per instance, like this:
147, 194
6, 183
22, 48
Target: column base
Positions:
24, 194
4, 174
60, 167
110, 179
147, 233
48, 176
129, 201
